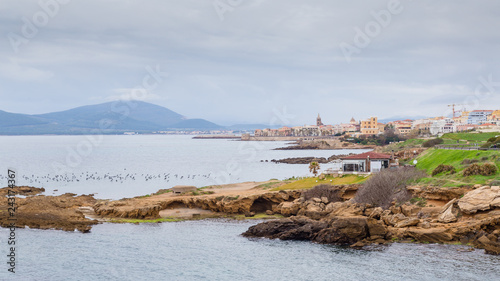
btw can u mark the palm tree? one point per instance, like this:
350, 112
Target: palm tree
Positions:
314, 167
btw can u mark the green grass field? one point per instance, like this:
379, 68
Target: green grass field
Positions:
477, 137
431, 158
308, 183
411, 143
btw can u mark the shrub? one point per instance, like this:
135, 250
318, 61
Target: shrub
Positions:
488, 170
491, 142
476, 169
389, 185
493, 139
469, 161
433, 142
443, 169
323, 190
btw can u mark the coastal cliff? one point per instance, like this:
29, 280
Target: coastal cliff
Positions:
465, 215
137, 208
64, 212
473, 219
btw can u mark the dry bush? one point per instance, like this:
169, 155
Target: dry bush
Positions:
383, 188
488, 170
323, 190
443, 169
476, 169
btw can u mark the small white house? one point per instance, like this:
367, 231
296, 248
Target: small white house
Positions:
368, 162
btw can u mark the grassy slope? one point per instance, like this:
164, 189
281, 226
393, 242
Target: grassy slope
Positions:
450, 138
431, 158
411, 143
311, 182
478, 137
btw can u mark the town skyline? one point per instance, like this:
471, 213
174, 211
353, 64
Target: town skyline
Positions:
479, 119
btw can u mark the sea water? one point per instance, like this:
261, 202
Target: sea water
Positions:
113, 167
192, 250
215, 250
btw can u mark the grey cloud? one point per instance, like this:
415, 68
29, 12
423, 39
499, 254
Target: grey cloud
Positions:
262, 56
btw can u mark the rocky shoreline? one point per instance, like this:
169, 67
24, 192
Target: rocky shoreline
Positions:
463, 215
471, 220
324, 144
63, 212
307, 160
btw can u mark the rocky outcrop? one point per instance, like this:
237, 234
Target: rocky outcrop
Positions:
21, 190
438, 193
490, 243
138, 208
357, 225
448, 212
325, 144
343, 230
126, 208
49, 212
481, 199
307, 160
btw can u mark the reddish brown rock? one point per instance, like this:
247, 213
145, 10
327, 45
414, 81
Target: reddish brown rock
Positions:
50, 212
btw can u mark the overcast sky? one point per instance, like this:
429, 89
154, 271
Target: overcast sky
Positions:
252, 61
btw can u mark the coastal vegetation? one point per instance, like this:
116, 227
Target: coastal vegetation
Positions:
308, 183
463, 138
492, 142
389, 136
314, 168
432, 142
458, 167
444, 169
323, 190
468, 136
388, 186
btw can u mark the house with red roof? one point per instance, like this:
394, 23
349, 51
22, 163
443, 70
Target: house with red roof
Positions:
368, 162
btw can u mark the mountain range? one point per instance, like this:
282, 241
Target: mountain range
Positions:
105, 118
115, 118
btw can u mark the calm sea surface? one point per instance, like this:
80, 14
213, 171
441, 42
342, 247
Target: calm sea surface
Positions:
214, 250
124, 166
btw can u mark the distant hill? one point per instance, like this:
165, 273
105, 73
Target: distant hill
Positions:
8, 119
110, 117
196, 124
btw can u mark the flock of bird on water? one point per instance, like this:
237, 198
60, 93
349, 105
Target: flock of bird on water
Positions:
95, 176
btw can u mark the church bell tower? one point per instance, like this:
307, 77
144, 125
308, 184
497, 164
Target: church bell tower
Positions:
318, 121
